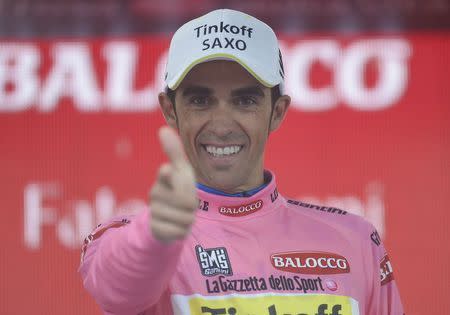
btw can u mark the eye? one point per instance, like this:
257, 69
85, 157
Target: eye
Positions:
199, 100
245, 101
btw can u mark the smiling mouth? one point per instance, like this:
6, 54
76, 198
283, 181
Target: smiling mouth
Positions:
224, 151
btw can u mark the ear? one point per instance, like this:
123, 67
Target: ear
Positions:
168, 110
279, 112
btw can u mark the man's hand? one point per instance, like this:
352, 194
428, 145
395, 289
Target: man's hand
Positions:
173, 198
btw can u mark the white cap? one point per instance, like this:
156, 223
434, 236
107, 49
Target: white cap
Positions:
230, 35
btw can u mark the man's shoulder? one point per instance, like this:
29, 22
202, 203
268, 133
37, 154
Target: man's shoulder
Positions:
330, 216
299, 204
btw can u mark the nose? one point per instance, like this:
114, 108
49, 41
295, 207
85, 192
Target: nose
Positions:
222, 122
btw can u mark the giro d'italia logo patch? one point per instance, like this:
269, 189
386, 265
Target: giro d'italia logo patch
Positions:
213, 261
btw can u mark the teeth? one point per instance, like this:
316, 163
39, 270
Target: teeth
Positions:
222, 151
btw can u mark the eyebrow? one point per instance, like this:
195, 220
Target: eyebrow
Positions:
202, 90
248, 90
197, 90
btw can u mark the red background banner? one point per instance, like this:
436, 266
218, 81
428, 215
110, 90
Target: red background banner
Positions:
368, 131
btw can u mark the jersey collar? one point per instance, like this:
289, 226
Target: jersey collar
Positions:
232, 208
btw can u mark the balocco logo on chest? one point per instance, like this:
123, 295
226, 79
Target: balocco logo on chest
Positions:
310, 262
241, 210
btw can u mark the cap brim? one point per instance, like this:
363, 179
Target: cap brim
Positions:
175, 82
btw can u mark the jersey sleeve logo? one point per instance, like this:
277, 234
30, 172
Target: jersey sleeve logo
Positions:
375, 237
386, 271
98, 231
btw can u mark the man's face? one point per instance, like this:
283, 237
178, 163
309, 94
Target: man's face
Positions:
223, 115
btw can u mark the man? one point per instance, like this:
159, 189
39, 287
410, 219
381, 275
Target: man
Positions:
232, 245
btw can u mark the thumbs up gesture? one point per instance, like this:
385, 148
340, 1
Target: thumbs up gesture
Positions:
173, 198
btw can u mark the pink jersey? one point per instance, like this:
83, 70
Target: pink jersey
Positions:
263, 255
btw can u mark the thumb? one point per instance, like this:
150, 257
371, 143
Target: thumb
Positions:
172, 146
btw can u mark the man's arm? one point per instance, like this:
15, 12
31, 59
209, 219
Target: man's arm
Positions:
124, 268
127, 263
385, 296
